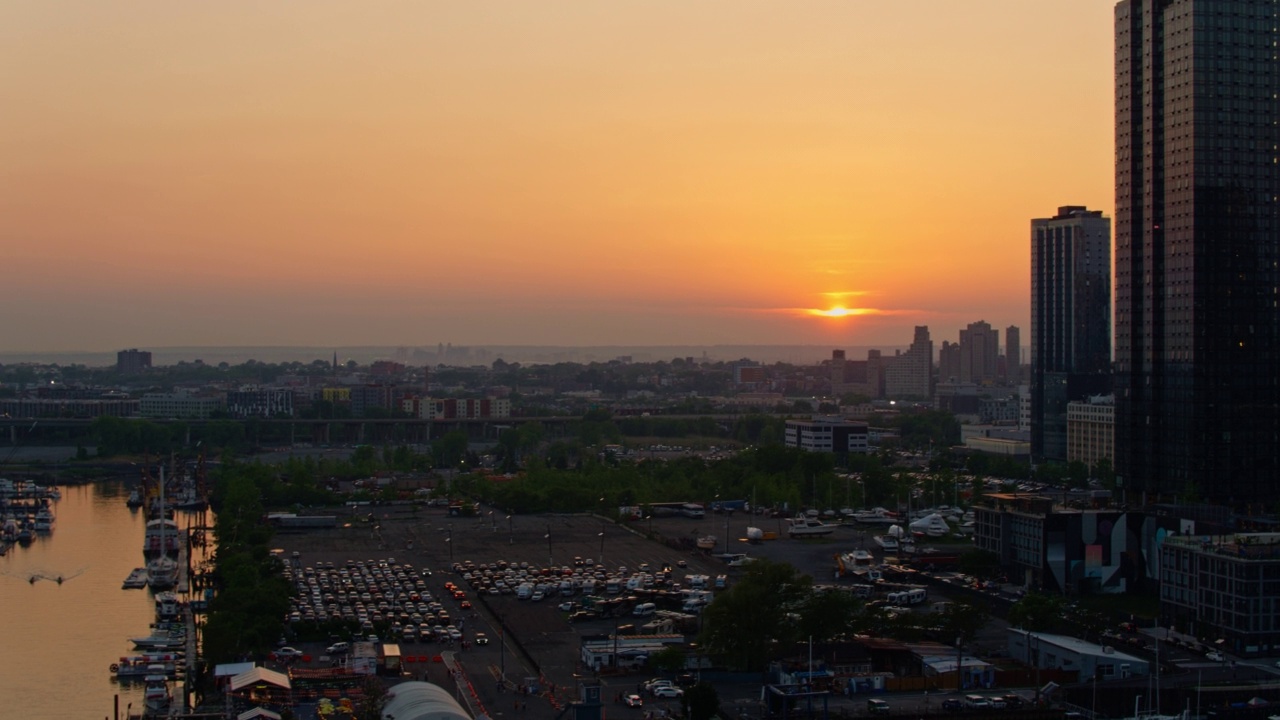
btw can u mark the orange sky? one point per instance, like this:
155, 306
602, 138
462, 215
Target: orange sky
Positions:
571, 173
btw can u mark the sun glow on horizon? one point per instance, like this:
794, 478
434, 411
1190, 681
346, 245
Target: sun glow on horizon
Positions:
839, 312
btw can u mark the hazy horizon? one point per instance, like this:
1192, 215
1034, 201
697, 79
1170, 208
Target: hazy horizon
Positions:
475, 354
629, 173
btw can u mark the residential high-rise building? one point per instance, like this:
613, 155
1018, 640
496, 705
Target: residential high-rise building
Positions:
1012, 355
949, 363
1197, 255
910, 374
979, 351
133, 361
1070, 321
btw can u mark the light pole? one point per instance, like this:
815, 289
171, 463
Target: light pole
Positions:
550, 557
449, 541
726, 529
511, 538
493, 521
601, 542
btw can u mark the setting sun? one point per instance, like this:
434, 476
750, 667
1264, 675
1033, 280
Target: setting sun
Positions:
839, 312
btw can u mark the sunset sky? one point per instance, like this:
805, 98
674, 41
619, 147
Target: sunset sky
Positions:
530, 172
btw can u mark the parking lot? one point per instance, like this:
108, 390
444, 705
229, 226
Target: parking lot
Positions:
529, 642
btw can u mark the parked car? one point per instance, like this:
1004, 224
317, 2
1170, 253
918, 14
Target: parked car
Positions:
876, 706
287, 652
1014, 702
952, 705
651, 685
338, 648
667, 691
482, 639
1215, 656
634, 700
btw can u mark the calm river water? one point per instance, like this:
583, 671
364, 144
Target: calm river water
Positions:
59, 640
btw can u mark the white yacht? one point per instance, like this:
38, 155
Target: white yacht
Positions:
162, 570
888, 543
875, 516
802, 526
156, 694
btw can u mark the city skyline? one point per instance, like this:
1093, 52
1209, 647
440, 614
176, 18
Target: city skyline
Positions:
819, 173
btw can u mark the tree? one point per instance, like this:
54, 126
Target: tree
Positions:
962, 619
829, 615
1037, 612
743, 623
701, 702
375, 699
979, 563
669, 659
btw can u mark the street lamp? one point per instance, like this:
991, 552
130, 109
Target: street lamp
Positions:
550, 559
511, 539
493, 521
449, 541
602, 542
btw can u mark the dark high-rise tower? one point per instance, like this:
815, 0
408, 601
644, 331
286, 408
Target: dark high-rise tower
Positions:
1013, 355
979, 352
1070, 321
1197, 247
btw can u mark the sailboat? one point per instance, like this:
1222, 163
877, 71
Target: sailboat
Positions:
162, 570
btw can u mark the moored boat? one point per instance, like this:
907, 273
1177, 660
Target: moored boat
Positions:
134, 666
160, 641
137, 579
156, 694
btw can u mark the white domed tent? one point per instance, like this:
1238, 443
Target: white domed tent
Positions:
422, 701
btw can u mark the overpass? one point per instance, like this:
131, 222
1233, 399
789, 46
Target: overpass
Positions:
323, 430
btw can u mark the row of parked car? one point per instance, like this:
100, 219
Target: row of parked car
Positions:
983, 702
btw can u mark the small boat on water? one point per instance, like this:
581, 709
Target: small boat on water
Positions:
160, 641
156, 694
135, 666
168, 607
134, 501
189, 499
803, 526
137, 579
44, 520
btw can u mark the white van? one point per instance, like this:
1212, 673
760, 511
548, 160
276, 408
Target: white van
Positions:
976, 702
644, 610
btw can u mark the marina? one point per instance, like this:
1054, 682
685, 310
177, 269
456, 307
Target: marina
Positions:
67, 581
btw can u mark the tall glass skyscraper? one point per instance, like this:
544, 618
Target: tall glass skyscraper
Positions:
1070, 321
1197, 246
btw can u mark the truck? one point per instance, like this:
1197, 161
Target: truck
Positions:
390, 659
